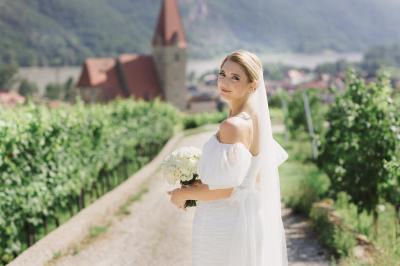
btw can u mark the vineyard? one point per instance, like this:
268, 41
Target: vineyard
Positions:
345, 174
54, 162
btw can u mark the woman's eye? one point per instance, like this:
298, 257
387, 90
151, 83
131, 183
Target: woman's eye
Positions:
221, 74
235, 78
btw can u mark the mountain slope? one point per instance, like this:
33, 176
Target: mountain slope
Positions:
40, 32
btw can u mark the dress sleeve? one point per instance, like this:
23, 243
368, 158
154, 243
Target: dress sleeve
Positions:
224, 165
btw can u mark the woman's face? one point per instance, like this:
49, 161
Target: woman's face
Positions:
233, 82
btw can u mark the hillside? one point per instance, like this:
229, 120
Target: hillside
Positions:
42, 32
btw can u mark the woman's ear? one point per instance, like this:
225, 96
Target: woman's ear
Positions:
254, 85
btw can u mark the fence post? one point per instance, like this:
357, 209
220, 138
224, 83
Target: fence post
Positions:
310, 127
284, 107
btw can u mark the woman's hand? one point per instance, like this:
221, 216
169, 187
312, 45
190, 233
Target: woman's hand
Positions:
197, 182
178, 198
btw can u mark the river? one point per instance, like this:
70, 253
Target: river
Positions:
44, 75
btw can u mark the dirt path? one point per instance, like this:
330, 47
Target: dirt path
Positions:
155, 232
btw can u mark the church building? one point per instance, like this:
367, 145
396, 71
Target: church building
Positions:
161, 73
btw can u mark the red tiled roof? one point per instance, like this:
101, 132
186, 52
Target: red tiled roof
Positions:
135, 75
317, 84
100, 73
98, 70
141, 75
169, 27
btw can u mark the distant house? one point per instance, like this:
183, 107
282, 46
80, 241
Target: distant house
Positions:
297, 77
322, 83
162, 73
11, 98
315, 84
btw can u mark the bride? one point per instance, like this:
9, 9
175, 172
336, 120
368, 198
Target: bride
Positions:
237, 219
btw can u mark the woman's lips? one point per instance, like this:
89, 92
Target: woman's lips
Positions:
225, 90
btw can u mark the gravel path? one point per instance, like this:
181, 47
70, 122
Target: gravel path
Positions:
155, 232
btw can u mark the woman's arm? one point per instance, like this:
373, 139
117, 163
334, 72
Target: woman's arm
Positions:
202, 192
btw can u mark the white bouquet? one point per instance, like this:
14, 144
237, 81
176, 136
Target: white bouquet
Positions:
181, 165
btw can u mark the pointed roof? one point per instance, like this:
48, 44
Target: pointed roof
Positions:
100, 73
169, 27
140, 75
126, 75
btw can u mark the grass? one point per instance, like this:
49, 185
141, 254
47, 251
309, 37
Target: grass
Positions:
95, 231
385, 241
302, 182
124, 209
100, 229
276, 115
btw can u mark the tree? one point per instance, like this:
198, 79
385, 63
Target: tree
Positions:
7, 76
363, 135
332, 68
27, 88
391, 188
54, 91
70, 91
296, 120
381, 56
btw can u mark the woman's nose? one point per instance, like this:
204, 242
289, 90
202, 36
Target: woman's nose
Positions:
223, 86
222, 82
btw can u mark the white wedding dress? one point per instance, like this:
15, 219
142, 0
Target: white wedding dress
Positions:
227, 232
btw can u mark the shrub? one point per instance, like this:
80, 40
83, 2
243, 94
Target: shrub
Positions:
199, 119
361, 137
51, 158
296, 117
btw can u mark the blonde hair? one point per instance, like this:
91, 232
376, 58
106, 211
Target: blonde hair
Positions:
250, 63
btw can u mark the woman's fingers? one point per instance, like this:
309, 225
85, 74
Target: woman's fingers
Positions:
175, 202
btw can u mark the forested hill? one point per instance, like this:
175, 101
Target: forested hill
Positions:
66, 31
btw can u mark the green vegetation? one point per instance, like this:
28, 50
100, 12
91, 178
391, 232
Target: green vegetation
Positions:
56, 161
375, 60
276, 71
351, 192
124, 209
381, 56
65, 92
7, 76
95, 231
53, 91
53, 161
303, 184
28, 88
333, 68
296, 118
66, 32
199, 119
363, 135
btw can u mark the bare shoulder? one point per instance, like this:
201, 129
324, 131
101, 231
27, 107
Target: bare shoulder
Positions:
234, 129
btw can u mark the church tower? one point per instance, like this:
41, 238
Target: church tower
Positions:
169, 53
